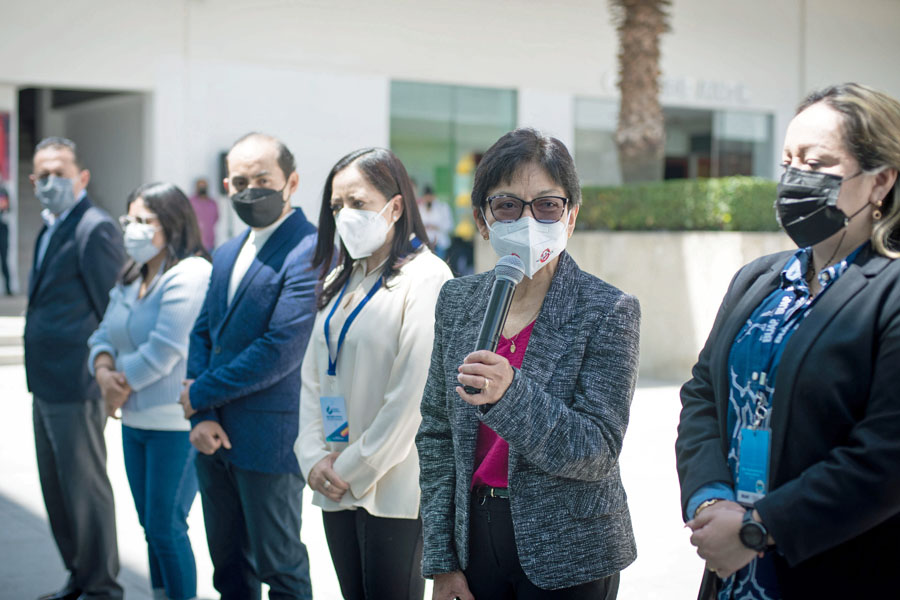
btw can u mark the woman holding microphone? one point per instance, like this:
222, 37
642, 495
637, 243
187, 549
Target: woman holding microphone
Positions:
520, 483
364, 372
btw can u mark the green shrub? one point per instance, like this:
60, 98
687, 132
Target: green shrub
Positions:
723, 204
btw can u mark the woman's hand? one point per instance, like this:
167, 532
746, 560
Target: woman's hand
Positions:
448, 586
487, 371
324, 479
716, 534
114, 389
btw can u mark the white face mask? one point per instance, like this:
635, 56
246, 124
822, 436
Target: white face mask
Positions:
138, 240
362, 231
536, 244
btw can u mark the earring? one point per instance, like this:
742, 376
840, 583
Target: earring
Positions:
876, 214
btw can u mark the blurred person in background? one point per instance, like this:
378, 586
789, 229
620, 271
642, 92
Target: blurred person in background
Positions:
368, 360
788, 447
521, 493
139, 358
437, 219
207, 212
4, 237
78, 255
242, 393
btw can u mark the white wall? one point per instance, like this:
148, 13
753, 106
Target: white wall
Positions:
319, 116
110, 136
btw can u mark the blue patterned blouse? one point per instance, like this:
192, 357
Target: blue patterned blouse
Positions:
753, 366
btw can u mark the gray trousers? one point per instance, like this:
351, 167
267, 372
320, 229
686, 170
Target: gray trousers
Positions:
71, 457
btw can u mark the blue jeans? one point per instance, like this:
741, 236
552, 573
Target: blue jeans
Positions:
160, 468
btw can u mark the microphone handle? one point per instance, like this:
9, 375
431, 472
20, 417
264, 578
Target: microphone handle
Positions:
494, 319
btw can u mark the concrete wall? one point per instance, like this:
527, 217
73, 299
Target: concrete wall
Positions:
679, 278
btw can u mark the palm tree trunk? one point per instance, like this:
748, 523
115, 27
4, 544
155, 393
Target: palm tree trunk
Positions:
640, 136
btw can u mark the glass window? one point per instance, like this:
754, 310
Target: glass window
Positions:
440, 131
596, 157
699, 142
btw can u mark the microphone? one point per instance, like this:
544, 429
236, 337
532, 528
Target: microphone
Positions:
508, 273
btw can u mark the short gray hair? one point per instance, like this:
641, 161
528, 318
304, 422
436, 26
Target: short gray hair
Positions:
58, 143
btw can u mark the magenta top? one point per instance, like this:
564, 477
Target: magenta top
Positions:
207, 214
491, 450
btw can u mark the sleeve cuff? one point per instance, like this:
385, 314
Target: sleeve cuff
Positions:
711, 491
96, 350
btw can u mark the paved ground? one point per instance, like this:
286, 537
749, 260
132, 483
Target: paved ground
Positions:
666, 567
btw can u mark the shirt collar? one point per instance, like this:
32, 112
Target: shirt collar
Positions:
793, 274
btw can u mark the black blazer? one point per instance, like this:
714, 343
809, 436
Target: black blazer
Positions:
834, 501
67, 296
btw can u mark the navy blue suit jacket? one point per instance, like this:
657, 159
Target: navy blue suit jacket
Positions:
245, 357
67, 296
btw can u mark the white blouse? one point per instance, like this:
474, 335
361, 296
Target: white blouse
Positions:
381, 373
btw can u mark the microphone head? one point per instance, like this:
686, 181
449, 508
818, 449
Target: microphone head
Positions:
510, 268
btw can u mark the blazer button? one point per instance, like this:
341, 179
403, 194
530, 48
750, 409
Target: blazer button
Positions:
217, 350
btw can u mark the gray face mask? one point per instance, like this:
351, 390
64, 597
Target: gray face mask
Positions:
55, 193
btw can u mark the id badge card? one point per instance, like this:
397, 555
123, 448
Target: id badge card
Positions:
753, 468
334, 419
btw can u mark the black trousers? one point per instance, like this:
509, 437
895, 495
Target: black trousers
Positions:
253, 530
71, 458
494, 570
375, 557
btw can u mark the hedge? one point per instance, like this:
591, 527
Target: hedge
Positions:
721, 204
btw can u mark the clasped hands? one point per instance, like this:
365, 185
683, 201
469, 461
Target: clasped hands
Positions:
487, 371
716, 534
325, 480
114, 389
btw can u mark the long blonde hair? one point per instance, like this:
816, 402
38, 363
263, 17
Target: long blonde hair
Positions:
872, 134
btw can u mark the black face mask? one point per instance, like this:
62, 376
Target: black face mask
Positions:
258, 207
806, 207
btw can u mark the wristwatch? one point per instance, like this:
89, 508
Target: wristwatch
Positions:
753, 534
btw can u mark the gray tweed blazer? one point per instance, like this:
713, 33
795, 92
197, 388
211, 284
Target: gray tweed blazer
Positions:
564, 417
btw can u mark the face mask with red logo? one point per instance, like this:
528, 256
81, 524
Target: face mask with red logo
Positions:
536, 244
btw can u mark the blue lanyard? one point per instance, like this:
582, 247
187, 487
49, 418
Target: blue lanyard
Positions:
332, 362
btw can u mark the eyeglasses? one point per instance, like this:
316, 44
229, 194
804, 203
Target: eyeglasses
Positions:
126, 220
546, 209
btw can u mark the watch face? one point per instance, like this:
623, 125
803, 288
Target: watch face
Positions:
753, 536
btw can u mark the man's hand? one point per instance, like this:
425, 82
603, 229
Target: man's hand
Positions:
114, 389
716, 535
448, 586
185, 400
208, 436
325, 480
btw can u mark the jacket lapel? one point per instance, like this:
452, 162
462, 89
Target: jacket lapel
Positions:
64, 231
558, 308
755, 294
852, 282
279, 238
219, 284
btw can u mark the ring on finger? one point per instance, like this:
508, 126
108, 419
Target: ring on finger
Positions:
327, 484
487, 384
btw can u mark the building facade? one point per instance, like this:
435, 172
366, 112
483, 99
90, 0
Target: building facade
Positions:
158, 90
